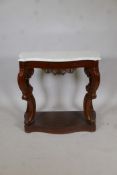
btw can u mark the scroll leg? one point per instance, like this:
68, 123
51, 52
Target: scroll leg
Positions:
94, 81
26, 88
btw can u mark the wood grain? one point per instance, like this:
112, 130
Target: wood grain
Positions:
86, 119
61, 122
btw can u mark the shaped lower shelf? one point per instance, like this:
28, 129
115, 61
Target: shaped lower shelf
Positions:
60, 122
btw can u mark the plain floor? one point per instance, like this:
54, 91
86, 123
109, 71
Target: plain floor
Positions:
81, 153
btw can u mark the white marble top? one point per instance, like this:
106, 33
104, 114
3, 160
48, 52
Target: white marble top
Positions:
58, 56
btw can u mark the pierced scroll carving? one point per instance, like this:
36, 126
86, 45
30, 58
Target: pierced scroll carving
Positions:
70, 121
59, 71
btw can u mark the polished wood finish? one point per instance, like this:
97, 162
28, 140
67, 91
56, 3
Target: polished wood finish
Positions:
32, 119
94, 80
61, 122
26, 88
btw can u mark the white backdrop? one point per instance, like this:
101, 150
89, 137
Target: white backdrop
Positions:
36, 25
42, 25
58, 25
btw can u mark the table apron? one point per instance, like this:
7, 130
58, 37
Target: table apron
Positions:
58, 65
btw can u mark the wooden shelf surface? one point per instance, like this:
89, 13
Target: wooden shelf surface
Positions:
60, 122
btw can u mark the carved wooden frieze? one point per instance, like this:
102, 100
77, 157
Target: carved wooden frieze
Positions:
59, 71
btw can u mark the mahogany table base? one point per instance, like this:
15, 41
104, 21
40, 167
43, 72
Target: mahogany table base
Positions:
60, 122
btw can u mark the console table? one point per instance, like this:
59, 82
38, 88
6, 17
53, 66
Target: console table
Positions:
59, 63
